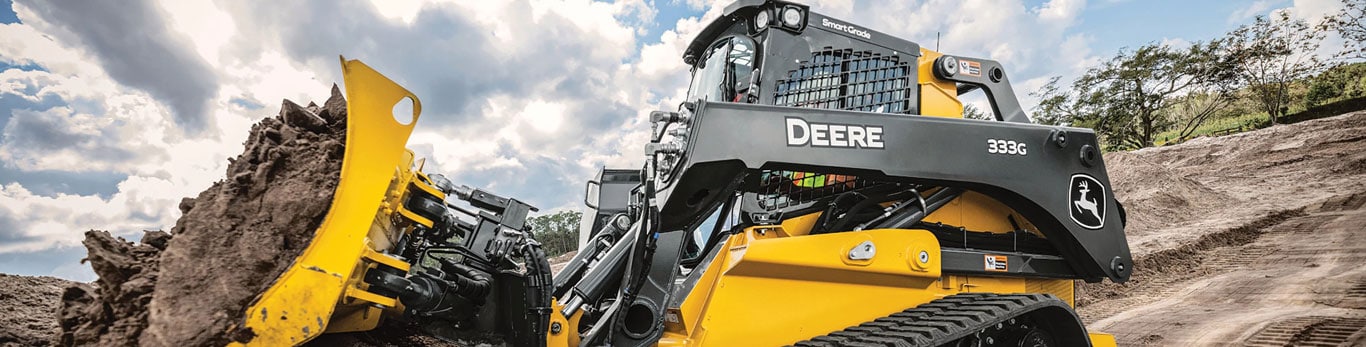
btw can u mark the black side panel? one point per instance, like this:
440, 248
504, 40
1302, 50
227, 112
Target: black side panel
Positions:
727, 141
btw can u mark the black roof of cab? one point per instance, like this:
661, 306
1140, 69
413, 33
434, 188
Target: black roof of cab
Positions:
740, 10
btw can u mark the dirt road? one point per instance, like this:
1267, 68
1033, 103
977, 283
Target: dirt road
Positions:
1255, 239
1302, 279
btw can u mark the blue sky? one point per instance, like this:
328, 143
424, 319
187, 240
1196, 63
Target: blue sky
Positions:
7, 14
111, 112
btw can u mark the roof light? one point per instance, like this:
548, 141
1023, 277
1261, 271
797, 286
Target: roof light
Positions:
761, 20
792, 17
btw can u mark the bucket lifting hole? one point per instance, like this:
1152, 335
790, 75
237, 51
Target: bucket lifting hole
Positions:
403, 111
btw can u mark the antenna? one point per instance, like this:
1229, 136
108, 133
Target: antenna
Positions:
936, 41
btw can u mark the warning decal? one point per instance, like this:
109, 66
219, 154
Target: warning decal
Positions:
970, 68
997, 263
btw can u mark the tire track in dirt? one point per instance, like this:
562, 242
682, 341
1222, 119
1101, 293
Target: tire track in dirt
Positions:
1299, 281
1311, 331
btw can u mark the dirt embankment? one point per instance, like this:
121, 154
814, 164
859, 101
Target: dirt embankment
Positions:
1176, 194
1235, 234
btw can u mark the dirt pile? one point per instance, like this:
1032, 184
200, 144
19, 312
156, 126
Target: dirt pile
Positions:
113, 312
1182, 198
1175, 194
229, 245
29, 303
239, 235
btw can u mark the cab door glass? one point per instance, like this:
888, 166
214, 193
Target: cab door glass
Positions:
724, 71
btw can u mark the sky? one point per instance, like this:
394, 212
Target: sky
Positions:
111, 112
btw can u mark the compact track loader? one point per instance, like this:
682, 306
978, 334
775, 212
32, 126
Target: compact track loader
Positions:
819, 187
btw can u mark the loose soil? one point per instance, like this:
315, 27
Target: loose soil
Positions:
30, 302
1250, 238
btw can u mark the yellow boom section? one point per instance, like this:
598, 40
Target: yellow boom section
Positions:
301, 302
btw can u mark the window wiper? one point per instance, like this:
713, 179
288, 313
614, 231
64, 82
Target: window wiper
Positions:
728, 88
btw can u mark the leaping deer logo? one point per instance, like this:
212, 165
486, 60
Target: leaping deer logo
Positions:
1083, 204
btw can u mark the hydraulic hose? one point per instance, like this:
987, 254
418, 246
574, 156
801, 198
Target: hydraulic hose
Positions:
914, 214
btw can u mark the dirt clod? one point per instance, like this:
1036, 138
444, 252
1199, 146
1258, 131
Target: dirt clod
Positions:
113, 312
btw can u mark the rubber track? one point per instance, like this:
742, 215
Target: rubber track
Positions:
936, 322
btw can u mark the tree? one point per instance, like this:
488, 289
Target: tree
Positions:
1056, 104
1124, 98
558, 232
971, 111
1138, 94
1350, 24
1271, 53
1212, 91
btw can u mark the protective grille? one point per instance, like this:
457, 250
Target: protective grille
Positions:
781, 189
845, 79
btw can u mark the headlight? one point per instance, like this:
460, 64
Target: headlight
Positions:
761, 19
792, 17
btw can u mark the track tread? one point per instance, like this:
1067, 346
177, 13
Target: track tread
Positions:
936, 322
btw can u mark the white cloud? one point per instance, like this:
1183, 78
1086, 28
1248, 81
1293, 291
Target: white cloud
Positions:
1257, 8
1315, 10
1025, 39
1175, 42
402, 10
50, 221
207, 27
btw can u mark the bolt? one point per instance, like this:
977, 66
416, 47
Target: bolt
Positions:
990, 341
555, 328
949, 66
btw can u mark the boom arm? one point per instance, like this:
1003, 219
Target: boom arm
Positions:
736, 141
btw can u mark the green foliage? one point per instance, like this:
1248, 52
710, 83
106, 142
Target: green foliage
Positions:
1344, 81
1055, 104
1321, 90
1217, 126
558, 232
